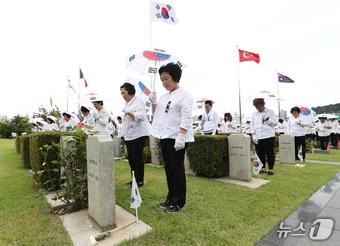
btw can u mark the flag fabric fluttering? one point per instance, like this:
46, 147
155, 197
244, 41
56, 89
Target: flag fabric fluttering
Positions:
257, 165
51, 102
81, 76
300, 156
145, 89
284, 79
136, 199
248, 56
69, 85
163, 12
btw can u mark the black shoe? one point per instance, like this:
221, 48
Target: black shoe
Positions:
172, 209
270, 172
263, 171
140, 184
129, 183
164, 205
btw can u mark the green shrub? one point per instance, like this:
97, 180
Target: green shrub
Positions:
43, 154
25, 151
17, 144
208, 156
147, 154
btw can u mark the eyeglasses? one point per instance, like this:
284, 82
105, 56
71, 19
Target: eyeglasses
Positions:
167, 107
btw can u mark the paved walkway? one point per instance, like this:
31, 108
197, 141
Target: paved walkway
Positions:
315, 222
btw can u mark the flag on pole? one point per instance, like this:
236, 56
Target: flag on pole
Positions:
300, 156
69, 85
163, 12
257, 165
136, 199
284, 79
248, 56
81, 75
145, 89
51, 102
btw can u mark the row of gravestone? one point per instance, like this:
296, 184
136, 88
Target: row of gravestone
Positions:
100, 170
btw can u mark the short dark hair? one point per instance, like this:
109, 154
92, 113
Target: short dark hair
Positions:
66, 114
119, 118
281, 120
84, 110
258, 101
99, 102
295, 109
209, 102
228, 115
173, 69
130, 88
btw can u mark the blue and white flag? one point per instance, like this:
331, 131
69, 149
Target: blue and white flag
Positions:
300, 154
70, 86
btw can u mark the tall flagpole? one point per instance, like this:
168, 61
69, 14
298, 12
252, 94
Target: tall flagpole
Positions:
239, 88
278, 99
78, 91
67, 95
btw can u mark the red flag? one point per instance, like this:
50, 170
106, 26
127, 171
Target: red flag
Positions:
248, 56
82, 76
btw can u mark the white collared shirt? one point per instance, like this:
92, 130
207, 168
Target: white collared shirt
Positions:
173, 111
323, 129
209, 121
228, 126
137, 126
296, 126
261, 129
335, 126
101, 118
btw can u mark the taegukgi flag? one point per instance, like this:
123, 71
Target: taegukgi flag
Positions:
163, 12
136, 199
257, 165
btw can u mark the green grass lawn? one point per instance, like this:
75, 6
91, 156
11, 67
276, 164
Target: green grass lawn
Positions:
333, 156
215, 214
24, 217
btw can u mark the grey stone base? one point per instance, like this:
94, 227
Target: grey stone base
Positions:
83, 232
254, 183
320, 151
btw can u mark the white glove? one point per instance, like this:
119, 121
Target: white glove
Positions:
180, 141
153, 98
255, 140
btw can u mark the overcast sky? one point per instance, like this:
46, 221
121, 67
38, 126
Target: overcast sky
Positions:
42, 42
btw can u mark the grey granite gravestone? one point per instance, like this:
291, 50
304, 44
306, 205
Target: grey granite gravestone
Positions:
117, 153
287, 149
100, 179
239, 157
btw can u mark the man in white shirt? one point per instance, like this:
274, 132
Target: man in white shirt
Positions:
262, 124
100, 115
281, 127
135, 130
296, 128
209, 121
334, 132
172, 125
324, 129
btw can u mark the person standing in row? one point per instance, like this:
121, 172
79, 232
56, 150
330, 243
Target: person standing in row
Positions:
100, 115
323, 129
209, 121
296, 128
172, 126
262, 124
135, 130
227, 125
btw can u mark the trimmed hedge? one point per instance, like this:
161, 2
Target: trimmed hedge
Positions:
25, 151
208, 156
42, 159
17, 144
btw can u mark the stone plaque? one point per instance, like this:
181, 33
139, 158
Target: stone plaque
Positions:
156, 157
287, 149
100, 179
239, 157
117, 153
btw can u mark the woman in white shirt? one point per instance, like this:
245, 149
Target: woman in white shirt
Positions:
100, 115
227, 125
136, 128
324, 130
209, 121
296, 128
172, 124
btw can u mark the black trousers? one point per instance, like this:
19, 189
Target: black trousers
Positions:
334, 139
265, 151
324, 142
135, 156
300, 141
174, 171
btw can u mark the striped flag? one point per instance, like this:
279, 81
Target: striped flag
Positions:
81, 75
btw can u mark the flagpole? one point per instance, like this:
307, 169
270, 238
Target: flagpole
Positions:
239, 89
78, 92
133, 178
67, 94
278, 99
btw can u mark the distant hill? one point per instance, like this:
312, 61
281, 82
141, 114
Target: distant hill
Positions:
331, 108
